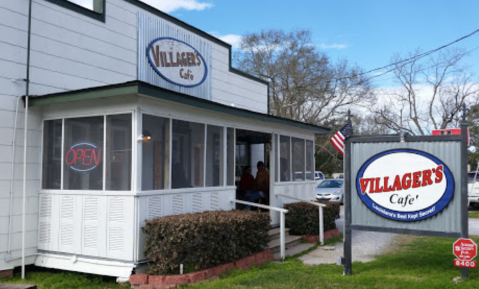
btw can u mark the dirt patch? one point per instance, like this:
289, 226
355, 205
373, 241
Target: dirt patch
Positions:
398, 242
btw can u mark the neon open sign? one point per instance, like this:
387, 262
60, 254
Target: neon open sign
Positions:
83, 157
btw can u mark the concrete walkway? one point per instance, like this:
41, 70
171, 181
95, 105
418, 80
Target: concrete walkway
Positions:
365, 245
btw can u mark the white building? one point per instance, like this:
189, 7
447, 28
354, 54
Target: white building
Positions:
133, 114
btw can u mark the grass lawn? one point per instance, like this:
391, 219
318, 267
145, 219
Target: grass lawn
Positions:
425, 262
473, 214
56, 279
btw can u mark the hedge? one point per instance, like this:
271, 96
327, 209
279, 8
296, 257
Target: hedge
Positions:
203, 240
303, 218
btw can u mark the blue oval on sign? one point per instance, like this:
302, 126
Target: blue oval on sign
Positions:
405, 184
177, 61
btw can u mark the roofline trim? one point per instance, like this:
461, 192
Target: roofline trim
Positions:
143, 88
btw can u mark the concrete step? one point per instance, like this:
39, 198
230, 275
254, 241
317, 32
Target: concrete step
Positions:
275, 233
294, 250
290, 241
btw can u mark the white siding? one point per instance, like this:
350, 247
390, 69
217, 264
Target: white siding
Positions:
13, 27
70, 51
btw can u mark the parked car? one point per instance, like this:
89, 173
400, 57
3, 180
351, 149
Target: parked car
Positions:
473, 188
330, 190
318, 176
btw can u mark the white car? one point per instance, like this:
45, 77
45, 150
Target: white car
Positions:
331, 190
473, 188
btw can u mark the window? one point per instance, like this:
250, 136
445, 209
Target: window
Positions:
118, 152
187, 154
83, 153
231, 157
52, 154
309, 160
298, 159
88, 161
285, 158
91, 8
155, 147
214, 156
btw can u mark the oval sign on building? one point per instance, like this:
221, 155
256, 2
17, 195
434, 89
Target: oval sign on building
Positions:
177, 62
405, 184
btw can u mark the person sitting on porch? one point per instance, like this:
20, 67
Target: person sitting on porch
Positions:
254, 195
246, 182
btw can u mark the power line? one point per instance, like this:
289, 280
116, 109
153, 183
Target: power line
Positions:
386, 72
408, 60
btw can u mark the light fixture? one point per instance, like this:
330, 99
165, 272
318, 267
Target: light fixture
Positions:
146, 135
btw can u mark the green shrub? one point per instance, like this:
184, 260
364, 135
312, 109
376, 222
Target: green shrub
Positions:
303, 218
204, 240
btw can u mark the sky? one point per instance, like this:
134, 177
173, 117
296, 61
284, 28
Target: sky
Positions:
365, 32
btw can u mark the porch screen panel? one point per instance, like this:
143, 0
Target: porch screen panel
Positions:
298, 159
83, 153
118, 152
187, 154
230, 158
309, 160
52, 154
276, 160
285, 158
155, 159
214, 156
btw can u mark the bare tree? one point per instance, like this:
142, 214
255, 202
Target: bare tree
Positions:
429, 94
304, 84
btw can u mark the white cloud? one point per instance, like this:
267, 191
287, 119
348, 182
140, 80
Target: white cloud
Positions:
332, 46
169, 6
232, 39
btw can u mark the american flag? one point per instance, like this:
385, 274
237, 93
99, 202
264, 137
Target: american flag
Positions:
338, 139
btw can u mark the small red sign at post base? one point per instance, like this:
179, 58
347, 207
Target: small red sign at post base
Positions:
465, 250
467, 264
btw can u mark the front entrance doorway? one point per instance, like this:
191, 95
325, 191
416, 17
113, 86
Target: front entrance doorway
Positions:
251, 148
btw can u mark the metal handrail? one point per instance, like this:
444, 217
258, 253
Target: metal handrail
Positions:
281, 222
321, 219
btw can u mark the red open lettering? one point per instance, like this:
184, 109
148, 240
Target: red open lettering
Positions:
73, 159
85, 156
95, 157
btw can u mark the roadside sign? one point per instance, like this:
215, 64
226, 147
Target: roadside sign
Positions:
450, 131
465, 250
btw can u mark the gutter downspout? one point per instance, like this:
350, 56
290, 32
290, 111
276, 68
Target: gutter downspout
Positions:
7, 259
25, 135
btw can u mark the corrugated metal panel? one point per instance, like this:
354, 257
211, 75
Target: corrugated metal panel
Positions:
149, 29
448, 220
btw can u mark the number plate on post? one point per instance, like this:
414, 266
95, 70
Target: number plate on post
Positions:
467, 264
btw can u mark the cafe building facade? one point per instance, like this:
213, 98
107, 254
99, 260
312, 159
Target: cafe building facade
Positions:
130, 114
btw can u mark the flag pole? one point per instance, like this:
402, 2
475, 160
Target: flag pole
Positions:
325, 144
347, 249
